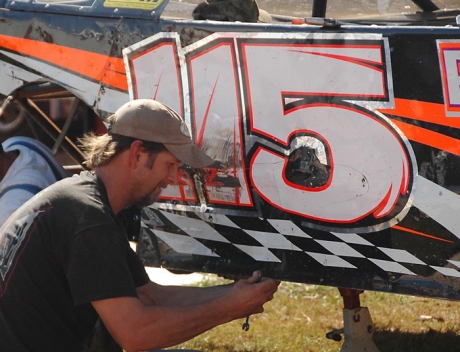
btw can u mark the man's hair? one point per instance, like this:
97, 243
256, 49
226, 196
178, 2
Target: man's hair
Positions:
100, 150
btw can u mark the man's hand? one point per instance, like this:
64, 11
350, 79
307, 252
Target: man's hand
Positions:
251, 294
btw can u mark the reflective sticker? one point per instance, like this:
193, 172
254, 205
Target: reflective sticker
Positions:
134, 4
292, 143
449, 60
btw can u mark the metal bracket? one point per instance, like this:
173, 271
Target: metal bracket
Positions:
358, 331
358, 327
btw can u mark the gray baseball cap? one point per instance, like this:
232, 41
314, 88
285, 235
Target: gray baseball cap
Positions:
152, 121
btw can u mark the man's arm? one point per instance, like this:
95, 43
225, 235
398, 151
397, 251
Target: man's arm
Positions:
154, 294
136, 326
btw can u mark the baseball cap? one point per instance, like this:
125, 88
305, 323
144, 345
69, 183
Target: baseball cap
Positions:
152, 121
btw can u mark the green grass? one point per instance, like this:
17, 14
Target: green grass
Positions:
300, 316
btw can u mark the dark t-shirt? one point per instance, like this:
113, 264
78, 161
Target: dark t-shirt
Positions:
59, 252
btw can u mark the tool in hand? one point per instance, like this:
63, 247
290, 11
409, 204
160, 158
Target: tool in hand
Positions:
245, 326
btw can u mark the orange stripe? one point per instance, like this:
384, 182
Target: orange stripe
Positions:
428, 137
422, 111
97, 67
426, 112
420, 233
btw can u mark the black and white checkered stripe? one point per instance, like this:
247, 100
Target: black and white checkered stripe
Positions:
219, 236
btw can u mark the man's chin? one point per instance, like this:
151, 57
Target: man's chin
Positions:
149, 200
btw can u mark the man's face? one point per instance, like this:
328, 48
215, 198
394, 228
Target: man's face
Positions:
155, 177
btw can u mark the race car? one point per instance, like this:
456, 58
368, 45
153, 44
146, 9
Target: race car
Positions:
337, 138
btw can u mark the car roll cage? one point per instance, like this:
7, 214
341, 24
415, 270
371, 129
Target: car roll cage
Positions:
27, 97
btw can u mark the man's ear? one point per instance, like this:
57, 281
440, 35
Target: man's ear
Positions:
135, 152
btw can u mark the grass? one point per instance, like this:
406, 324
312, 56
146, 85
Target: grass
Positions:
300, 316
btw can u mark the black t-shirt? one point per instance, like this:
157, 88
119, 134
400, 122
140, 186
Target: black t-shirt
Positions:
59, 252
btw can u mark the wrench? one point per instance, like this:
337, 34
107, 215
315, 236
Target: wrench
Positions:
245, 326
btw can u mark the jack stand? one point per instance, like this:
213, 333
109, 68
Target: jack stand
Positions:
358, 326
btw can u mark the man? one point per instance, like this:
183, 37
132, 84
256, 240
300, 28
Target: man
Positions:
26, 167
65, 258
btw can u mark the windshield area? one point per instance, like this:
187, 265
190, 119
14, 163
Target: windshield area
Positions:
349, 8
339, 9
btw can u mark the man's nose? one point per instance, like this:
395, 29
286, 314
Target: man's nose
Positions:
173, 178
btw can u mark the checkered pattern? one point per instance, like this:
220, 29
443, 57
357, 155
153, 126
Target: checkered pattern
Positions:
216, 235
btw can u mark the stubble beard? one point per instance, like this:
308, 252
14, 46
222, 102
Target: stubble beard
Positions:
150, 198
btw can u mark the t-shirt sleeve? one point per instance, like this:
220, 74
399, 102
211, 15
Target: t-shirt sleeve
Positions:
98, 265
137, 269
